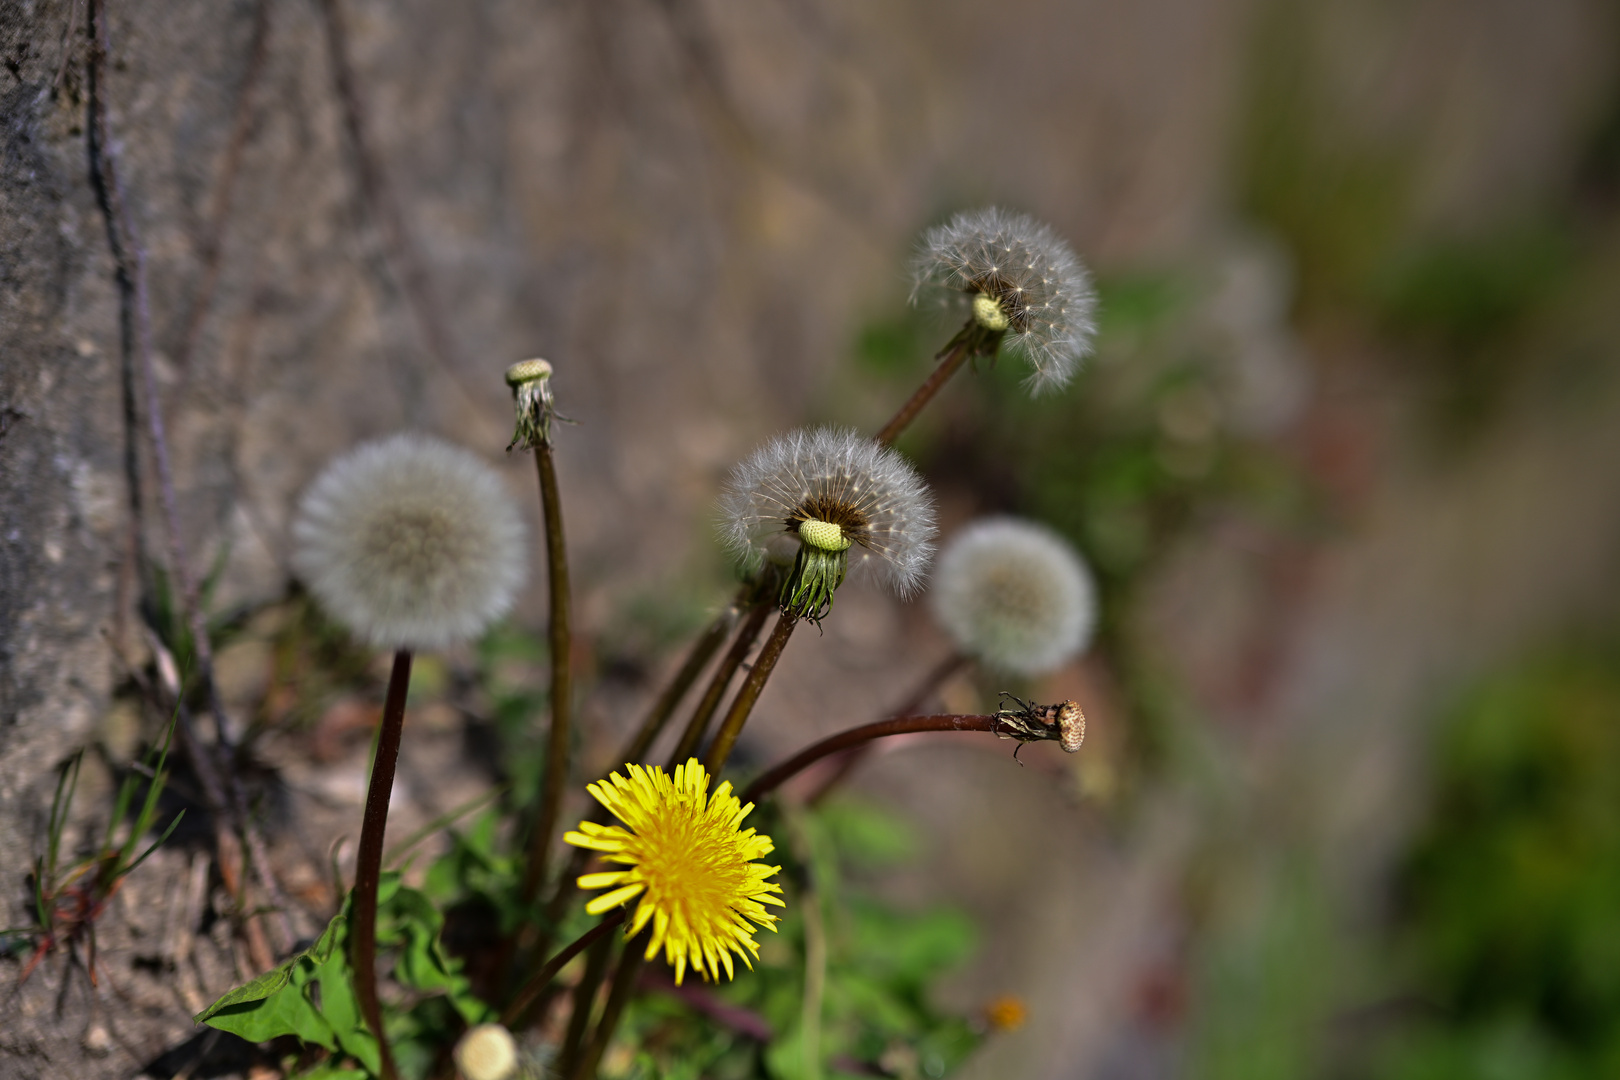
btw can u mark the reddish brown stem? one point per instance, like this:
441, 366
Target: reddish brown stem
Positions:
368, 862
624, 984
697, 659
918, 697
561, 678
585, 992
719, 682
748, 693
532, 989
950, 358
772, 778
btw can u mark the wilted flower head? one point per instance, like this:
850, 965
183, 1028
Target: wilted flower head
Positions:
486, 1052
536, 406
821, 497
1014, 595
410, 542
689, 862
1023, 286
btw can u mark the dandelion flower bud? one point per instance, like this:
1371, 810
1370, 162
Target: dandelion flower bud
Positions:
1023, 287
1014, 595
819, 499
410, 542
487, 1052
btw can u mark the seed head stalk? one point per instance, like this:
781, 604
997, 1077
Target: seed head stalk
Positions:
972, 340
530, 381
749, 692
368, 862
1063, 723
919, 696
692, 737
773, 778
697, 659
561, 677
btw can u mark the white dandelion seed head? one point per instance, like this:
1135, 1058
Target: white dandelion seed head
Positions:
1014, 595
827, 475
410, 542
487, 1052
1045, 296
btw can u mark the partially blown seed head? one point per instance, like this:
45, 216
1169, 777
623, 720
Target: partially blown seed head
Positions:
837, 496
410, 542
1013, 274
1014, 595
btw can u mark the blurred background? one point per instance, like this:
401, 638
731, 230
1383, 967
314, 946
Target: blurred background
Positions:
1346, 462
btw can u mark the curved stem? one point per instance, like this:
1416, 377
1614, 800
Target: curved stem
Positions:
950, 358
719, 682
772, 778
541, 979
368, 862
914, 701
748, 694
561, 690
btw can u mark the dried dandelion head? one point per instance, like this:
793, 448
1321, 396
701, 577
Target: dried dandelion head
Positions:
1023, 287
819, 499
1014, 595
410, 542
536, 406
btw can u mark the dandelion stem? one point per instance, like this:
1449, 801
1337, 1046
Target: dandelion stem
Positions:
368, 863
772, 778
918, 697
749, 692
702, 651
624, 984
561, 691
965, 344
719, 682
697, 659
540, 980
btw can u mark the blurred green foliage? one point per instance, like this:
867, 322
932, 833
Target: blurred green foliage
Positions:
1510, 899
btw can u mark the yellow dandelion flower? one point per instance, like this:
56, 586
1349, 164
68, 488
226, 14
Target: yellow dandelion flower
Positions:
688, 861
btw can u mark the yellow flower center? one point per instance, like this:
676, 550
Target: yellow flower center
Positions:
688, 861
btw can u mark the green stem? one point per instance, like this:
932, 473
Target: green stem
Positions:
368, 862
772, 778
969, 341
719, 682
624, 984
561, 690
748, 694
540, 980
